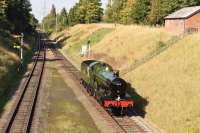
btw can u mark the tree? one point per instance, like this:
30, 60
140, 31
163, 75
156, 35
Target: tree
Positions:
108, 13
63, 19
85, 11
155, 16
119, 11
94, 11
117, 6
3, 6
15, 16
53, 12
140, 11
126, 12
73, 17
33, 21
49, 22
81, 10
18, 14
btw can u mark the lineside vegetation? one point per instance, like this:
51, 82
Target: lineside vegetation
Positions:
15, 18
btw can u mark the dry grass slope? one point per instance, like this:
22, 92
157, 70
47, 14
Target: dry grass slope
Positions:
171, 84
128, 44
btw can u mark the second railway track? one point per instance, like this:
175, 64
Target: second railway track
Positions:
21, 116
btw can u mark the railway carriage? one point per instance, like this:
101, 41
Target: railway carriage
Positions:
105, 85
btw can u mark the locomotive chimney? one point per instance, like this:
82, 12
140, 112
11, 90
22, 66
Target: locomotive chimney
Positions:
116, 72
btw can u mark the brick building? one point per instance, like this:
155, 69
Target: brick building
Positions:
184, 20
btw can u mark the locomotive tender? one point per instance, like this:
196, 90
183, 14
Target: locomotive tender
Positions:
105, 85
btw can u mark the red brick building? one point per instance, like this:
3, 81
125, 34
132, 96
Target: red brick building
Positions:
184, 20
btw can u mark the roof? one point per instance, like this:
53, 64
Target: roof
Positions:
184, 13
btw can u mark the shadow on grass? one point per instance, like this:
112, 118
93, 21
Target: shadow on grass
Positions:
64, 39
58, 37
59, 40
53, 44
140, 102
52, 60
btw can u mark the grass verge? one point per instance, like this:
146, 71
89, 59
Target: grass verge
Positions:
65, 112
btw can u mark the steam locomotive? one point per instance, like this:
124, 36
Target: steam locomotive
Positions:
105, 85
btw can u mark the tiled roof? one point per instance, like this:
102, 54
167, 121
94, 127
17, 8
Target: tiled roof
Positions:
184, 12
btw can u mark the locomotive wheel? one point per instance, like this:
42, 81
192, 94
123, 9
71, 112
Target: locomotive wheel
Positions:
92, 92
81, 82
89, 90
101, 101
109, 110
95, 93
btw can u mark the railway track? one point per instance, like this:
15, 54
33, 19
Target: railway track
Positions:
20, 119
134, 124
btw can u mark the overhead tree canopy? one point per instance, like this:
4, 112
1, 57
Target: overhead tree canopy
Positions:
18, 14
3, 6
15, 16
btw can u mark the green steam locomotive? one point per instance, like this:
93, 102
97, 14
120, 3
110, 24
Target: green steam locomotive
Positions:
105, 85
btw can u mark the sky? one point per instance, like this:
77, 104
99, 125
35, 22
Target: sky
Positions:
41, 8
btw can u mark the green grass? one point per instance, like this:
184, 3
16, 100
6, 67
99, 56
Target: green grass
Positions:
65, 112
77, 35
97, 36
